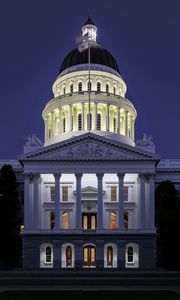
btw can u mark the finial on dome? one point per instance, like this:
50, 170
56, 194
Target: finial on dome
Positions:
89, 21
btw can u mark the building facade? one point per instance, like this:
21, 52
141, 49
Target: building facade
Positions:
89, 190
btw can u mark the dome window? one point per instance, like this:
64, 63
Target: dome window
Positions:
64, 124
89, 85
114, 124
80, 122
114, 90
71, 88
89, 121
80, 87
64, 90
98, 87
98, 121
107, 88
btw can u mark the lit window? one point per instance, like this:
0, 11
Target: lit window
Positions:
89, 121
114, 124
89, 86
68, 256
64, 193
107, 88
98, 87
71, 88
113, 220
64, 124
98, 121
65, 220
64, 90
85, 222
89, 256
21, 228
130, 254
114, 90
80, 86
110, 256
126, 219
52, 193
52, 219
89, 221
80, 122
113, 193
48, 257
93, 222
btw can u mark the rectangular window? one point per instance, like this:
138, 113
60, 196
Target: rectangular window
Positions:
113, 193
65, 221
113, 220
126, 193
64, 193
52, 193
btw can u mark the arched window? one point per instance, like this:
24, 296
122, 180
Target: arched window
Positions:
89, 256
130, 254
113, 220
115, 124
48, 254
52, 219
64, 124
98, 87
71, 88
65, 220
89, 121
107, 88
114, 90
98, 121
109, 256
79, 121
89, 85
80, 86
64, 90
68, 256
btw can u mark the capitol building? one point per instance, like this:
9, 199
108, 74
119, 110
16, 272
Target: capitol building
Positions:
88, 190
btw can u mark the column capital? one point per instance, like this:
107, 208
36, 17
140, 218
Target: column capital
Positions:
100, 175
126, 112
78, 175
120, 175
57, 175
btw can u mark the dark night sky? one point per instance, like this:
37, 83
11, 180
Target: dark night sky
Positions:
143, 36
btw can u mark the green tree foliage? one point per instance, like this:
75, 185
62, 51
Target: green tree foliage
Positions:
10, 219
168, 225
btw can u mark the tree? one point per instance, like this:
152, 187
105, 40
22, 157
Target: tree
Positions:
10, 219
168, 225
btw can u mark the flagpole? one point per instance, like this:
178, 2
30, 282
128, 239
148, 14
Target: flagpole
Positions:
89, 90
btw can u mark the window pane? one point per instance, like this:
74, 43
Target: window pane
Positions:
89, 86
107, 88
89, 121
48, 254
113, 220
93, 222
98, 122
80, 87
126, 219
71, 88
80, 122
69, 256
130, 254
64, 193
109, 256
93, 254
52, 219
52, 193
85, 254
98, 87
65, 221
126, 193
64, 124
114, 125
113, 193
85, 222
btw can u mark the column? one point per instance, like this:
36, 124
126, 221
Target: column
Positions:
131, 122
121, 200
82, 104
70, 117
57, 202
37, 203
132, 129
119, 119
142, 201
60, 120
100, 201
151, 206
107, 117
52, 123
126, 122
95, 115
46, 127
27, 202
78, 201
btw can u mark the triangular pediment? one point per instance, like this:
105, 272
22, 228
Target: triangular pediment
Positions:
88, 147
